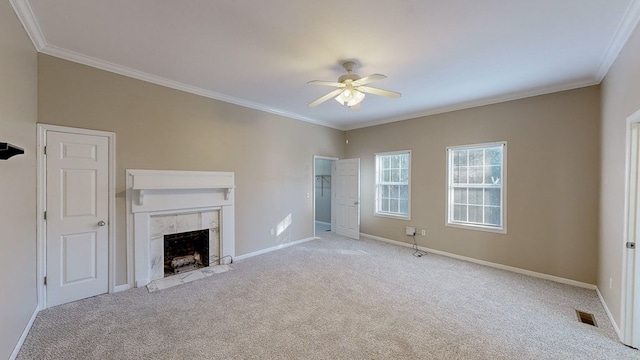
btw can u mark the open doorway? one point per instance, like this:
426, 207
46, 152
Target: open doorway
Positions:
323, 200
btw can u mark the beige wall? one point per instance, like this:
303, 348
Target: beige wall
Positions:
18, 104
552, 183
161, 128
620, 99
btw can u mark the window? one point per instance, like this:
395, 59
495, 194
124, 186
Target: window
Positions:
392, 184
477, 186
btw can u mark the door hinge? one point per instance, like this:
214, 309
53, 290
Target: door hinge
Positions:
45, 280
45, 215
45, 150
631, 245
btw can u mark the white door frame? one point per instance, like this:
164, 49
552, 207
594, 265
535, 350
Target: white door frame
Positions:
313, 181
630, 322
41, 201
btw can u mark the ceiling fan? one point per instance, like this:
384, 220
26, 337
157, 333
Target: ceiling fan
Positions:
350, 88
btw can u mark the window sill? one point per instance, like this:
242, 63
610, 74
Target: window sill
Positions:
502, 230
392, 216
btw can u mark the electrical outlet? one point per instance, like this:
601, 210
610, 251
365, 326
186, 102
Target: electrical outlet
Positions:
423, 233
610, 283
272, 232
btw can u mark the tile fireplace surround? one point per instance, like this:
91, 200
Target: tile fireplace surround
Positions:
162, 202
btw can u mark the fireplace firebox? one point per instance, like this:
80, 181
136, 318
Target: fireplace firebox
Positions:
186, 251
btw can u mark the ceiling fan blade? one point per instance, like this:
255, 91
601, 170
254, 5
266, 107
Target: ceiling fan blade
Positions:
375, 91
325, 83
330, 95
369, 79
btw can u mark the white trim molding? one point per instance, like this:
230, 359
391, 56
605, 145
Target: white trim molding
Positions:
274, 248
524, 94
119, 288
623, 32
25, 332
609, 315
172, 84
29, 22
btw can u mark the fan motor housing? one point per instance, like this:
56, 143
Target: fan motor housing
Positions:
345, 77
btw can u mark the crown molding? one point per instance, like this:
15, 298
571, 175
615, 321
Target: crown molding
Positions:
25, 14
623, 32
477, 103
28, 20
140, 75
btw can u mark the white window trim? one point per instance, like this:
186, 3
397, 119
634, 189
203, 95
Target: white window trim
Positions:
449, 222
375, 202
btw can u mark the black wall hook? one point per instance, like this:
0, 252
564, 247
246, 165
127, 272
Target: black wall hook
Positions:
7, 150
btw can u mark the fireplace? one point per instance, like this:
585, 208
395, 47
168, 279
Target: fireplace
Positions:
163, 203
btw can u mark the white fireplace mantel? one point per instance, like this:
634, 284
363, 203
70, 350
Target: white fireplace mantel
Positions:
161, 192
149, 180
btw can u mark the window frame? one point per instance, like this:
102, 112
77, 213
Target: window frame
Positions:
376, 211
450, 189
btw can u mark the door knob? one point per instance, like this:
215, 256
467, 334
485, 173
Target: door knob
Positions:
101, 223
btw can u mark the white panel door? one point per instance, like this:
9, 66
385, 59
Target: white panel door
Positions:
348, 198
77, 238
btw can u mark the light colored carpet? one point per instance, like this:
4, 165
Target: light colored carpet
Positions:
335, 298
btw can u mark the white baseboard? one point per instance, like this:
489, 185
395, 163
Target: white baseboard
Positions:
16, 350
611, 319
119, 288
490, 264
263, 251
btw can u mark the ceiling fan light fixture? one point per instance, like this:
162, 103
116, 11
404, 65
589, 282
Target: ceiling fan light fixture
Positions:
350, 89
350, 97
357, 97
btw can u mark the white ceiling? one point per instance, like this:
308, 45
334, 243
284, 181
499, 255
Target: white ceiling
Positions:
441, 55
